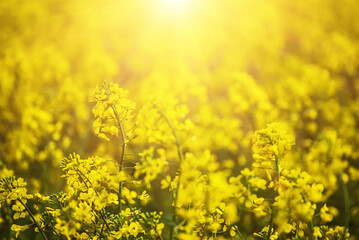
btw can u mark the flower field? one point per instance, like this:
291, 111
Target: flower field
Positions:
179, 119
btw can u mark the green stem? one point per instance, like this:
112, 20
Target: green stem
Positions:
278, 167
177, 139
139, 220
54, 230
346, 206
180, 156
33, 219
239, 233
272, 213
9, 218
270, 225
28, 210
123, 138
82, 176
104, 220
244, 202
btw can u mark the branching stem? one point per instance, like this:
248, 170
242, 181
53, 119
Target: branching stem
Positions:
180, 156
30, 213
124, 143
33, 219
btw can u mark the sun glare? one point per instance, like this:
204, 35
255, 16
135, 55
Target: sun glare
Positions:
175, 7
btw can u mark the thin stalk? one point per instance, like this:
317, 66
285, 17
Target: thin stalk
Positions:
81, 175
123, 138
139, 220
270, 225
104, 220
272, 213
54, 230
30, 213
244, 202
33, 219
177, 139
278, 167
311, 225
346, 206
180, 156
9, 217
239, 233
296, 231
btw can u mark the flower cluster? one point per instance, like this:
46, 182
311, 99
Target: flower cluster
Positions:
14, 193
106, 199
184, 140
159, 118
113, 112
270, 145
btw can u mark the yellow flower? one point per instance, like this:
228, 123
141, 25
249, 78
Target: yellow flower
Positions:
18, 229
